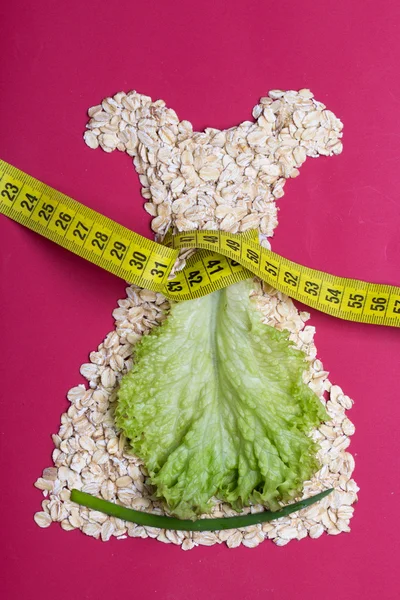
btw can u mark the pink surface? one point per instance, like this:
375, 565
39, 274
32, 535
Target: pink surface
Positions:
210, 61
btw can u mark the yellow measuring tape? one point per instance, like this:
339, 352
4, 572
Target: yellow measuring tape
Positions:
223, 258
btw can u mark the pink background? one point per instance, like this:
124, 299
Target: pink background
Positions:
210, 61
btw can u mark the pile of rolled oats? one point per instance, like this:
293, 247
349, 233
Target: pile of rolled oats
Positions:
212, 180
215, 179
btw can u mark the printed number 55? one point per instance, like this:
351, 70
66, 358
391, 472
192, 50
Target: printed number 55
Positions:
355, 301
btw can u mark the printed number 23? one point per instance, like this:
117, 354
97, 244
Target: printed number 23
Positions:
10, 191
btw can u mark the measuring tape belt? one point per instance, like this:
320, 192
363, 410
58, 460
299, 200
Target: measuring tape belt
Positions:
222, 258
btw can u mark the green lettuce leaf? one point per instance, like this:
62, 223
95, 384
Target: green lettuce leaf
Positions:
215, 405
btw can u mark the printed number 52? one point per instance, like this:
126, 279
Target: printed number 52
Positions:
291, 279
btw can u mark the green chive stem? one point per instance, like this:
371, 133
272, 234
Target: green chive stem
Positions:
164, 522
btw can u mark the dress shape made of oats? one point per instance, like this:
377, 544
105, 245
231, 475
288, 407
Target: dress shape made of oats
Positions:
214, 179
